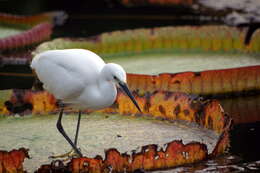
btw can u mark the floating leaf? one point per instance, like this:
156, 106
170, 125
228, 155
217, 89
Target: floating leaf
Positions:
20, 31
12, 161
204, 39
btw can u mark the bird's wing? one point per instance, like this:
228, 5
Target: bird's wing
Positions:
66, 73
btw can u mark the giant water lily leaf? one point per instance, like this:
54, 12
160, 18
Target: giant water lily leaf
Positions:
19, 31
215, 66
15, 38
210, 82
54, 17
227, 85
164, 108
12, 161
7, 31
188, 39
116, 134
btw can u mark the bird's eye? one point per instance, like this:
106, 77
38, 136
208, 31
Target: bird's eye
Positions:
115, 78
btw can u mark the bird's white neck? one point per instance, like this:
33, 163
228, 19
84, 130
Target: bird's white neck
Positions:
107, 88
108, 91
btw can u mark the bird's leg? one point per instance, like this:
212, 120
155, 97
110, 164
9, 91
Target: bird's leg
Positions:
72, 152
77, 130
62, 131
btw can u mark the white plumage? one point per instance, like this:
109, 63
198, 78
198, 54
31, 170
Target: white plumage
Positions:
74, 76
81, 78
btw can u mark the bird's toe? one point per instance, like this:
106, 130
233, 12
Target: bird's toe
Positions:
66, 156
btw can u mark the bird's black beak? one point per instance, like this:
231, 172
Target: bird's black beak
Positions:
129, 94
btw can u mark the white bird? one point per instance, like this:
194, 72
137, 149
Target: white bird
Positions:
80, 78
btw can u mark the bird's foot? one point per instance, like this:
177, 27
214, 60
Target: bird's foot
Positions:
67, 156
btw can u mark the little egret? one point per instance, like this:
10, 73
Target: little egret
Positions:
80, 78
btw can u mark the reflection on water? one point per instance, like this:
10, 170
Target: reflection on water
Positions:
242, 109
245, 141
245, 135
224, 164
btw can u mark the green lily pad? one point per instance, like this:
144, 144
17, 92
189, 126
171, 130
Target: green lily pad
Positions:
7, 31
172, 63
98, 132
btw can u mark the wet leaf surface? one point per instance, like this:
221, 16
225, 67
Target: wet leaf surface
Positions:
99, 132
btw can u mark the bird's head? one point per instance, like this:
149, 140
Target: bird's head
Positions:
116, 74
